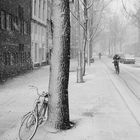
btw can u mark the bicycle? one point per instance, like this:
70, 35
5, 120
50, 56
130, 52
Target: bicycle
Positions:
117, 69
34, 118
116, 65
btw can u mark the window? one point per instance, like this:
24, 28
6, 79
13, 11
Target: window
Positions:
12, 20
35, 52
28, 28
44, 6
35, 28
35, 7
39, 31
16, 26
20, 12
42, 32
13, 23
8, 21
39, 11
29, 55
43, 51
21, 26
16, 59
21, 57
21, 47
20, 19
24, 57
3, 20
6, 57
25, 28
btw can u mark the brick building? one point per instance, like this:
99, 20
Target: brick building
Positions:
15, 37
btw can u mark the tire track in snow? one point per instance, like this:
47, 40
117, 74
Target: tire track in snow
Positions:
133, 76
122, 97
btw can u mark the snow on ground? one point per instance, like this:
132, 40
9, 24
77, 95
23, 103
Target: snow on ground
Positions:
95, 107
16, 98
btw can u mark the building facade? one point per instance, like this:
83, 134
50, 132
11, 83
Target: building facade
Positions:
15, 37
39, 32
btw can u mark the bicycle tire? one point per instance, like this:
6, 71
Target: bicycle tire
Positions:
118, 71
29, 121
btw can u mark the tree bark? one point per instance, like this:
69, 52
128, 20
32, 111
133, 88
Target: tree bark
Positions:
58, 106
85, 38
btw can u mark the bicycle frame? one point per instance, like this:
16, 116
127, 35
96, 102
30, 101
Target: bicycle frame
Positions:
38, 110
39, 106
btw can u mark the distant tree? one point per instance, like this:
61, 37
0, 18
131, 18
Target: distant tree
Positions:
116, 33
92, 13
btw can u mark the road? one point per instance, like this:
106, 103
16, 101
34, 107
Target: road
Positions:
128, 85
16, 97
130, 75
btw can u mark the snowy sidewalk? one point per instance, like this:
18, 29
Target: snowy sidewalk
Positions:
96, 108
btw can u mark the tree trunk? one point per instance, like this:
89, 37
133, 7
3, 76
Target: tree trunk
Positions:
88, 49
84, 50
79, 68
58, 111
85, 38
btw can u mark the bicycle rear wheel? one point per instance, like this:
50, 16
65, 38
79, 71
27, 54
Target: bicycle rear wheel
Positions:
28, 127
117, 70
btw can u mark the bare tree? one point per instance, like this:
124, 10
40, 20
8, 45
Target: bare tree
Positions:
58, 111
92, 10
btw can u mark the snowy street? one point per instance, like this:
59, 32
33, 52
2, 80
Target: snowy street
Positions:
108, 102
70, 70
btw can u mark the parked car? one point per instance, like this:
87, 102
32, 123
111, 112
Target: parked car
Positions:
127, 59
91, 60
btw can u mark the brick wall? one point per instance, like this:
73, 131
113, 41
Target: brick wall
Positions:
15, 36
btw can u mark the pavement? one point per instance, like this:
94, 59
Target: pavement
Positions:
96, 107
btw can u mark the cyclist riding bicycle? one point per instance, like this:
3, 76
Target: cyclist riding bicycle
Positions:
116, 59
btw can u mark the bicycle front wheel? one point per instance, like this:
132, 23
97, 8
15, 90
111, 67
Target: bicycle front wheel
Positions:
28, 127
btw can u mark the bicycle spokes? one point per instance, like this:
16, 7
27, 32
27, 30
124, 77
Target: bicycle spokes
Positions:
28, 127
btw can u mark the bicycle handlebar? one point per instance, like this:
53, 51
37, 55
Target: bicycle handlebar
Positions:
44, 94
